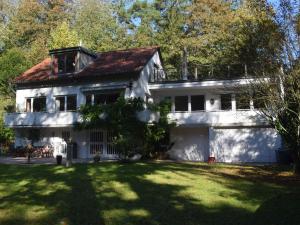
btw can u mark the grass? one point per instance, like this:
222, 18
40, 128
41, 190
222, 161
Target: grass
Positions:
148, 193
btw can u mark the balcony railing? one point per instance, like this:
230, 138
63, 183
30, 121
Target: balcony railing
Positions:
211, 72
41, 119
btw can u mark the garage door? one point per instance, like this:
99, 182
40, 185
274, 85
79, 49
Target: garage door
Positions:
245, 144
189, 144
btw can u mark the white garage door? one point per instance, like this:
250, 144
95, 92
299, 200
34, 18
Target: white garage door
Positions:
190, 144
245, 144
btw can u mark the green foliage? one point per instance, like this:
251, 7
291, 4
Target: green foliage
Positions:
13, 63
131, 134
6, 134
97, 26
63, 37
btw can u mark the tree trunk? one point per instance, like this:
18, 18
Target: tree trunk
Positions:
297, 166
296, 158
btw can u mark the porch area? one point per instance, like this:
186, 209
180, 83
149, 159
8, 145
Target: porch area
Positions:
85, 144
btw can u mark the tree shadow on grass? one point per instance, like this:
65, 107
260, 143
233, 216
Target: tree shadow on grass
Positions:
48, 195
113, 193
280, 210
159, 203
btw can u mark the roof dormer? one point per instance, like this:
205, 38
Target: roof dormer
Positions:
70, 60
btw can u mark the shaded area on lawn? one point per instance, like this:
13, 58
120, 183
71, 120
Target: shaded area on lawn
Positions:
140, 193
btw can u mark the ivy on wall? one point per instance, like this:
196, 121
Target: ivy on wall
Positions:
131, 134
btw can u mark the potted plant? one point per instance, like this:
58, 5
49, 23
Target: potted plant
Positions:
58, 159
97, 157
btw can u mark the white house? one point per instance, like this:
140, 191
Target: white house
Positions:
212, 118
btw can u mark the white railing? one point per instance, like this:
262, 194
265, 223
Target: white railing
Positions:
219, 118
211, 118
41, 119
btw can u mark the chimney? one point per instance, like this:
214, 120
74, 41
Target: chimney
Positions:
184, 64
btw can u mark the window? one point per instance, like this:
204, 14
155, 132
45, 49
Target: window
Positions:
71, 103
65, 135
258, 101
88, 99
39, 104
60, 103
28, 105
181, 103
66, 62
226, 102
66, 103
242, 101
197, 102
102, 98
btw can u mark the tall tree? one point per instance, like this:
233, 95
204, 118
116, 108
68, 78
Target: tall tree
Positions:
232, 32
98, 28
63, 37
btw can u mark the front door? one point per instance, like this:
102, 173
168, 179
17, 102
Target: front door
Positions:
102, 141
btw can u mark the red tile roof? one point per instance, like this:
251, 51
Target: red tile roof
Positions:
130, 61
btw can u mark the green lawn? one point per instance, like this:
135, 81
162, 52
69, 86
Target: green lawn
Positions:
148, 193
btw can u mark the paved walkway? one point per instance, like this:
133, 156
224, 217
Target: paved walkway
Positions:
39, 161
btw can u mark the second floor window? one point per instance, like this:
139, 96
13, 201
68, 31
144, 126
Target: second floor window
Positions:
226, 102
181, 103
197, 102
98, 99
242, 101
37, 104
66, 103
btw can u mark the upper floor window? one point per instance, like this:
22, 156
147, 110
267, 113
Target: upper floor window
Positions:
226, 103
197, 102
258, 101
37, 104
98, 99
66, 62
181, 103
242, 101
66, 103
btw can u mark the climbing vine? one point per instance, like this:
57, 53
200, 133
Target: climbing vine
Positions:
123, 118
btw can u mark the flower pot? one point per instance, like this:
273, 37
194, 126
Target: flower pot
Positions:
58, 159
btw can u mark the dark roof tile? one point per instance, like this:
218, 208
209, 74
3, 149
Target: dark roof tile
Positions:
130, 61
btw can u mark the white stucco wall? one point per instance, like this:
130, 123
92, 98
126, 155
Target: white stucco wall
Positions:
51, 92
189, 144
140, 88
244, 144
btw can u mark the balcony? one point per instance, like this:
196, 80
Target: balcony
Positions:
41, 119
215, 118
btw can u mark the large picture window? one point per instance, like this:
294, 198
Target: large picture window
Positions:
181, 103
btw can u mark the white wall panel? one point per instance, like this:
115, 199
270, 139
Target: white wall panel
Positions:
244, 144
190, 144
